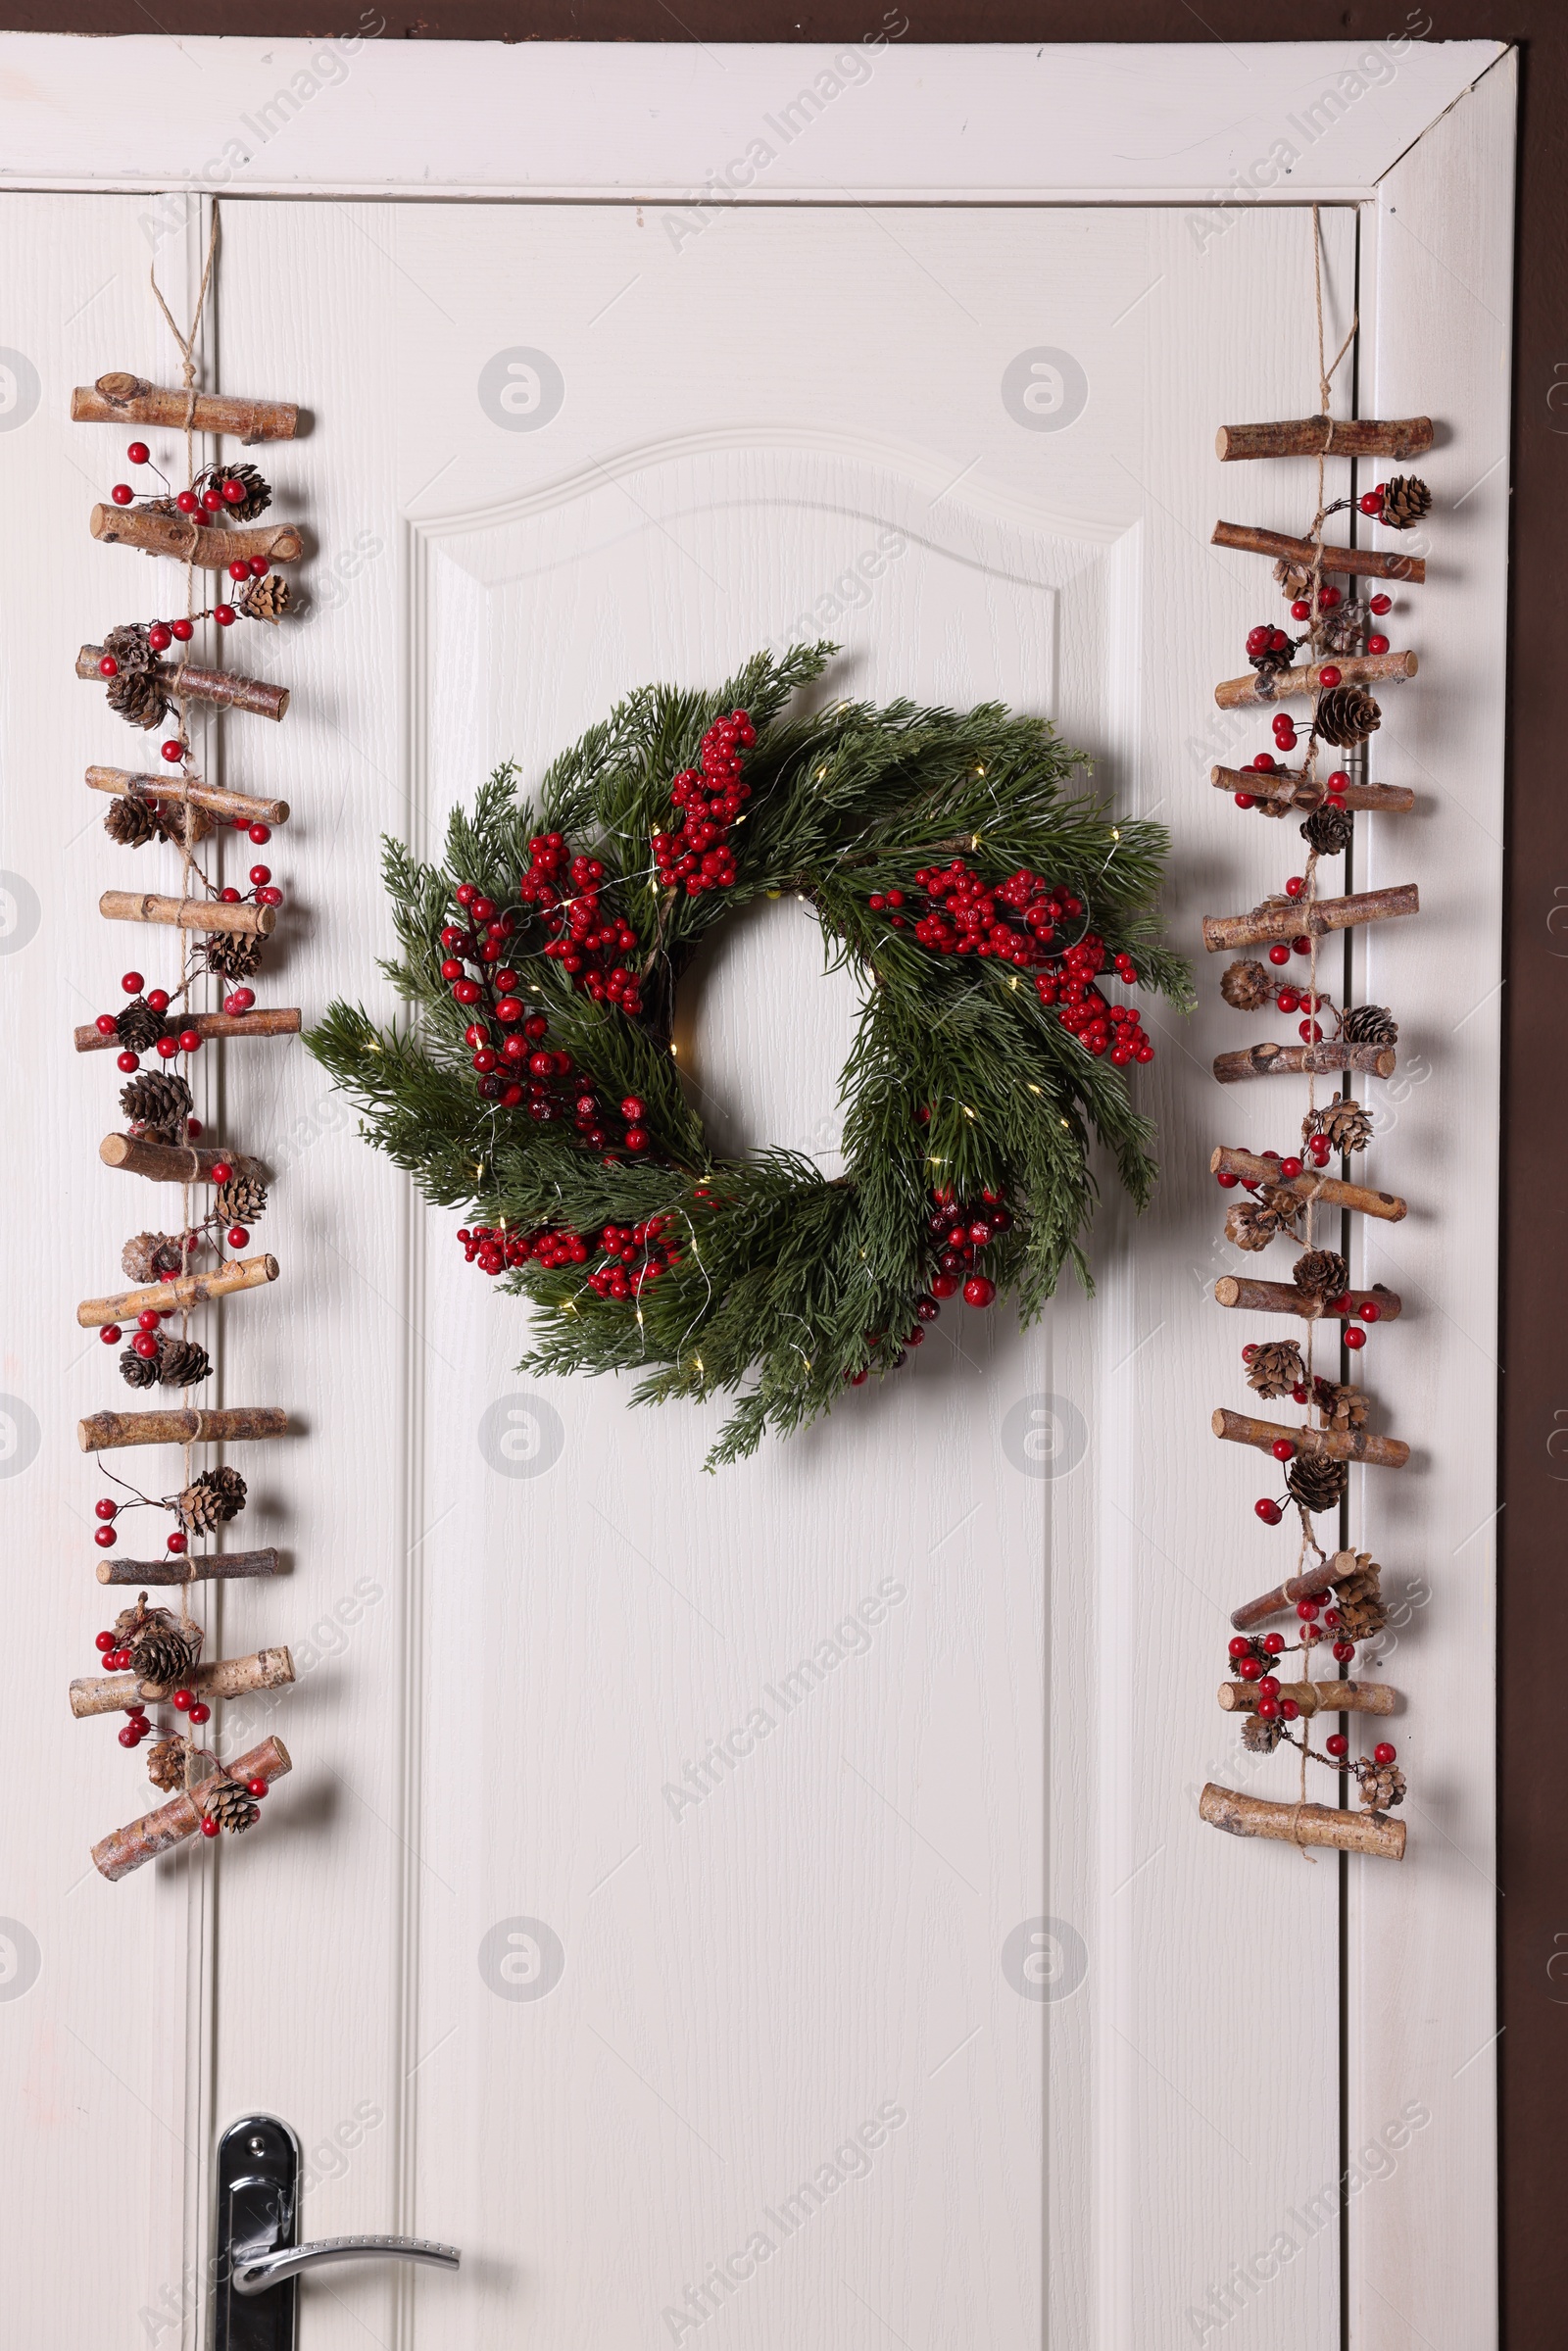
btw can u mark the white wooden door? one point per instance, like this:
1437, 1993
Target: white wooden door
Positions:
937, 2016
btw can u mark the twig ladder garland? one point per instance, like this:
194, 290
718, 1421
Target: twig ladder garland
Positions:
1339, 652
151, 1655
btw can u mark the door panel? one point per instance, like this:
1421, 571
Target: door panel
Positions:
521, 1976
853, 1916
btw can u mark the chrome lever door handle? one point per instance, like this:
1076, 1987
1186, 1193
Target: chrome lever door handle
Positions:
256, 2269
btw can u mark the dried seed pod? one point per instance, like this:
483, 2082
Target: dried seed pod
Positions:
1346, 1125
165, 1765
1276, 1367
151, 1257
1253, 1224
1246, 984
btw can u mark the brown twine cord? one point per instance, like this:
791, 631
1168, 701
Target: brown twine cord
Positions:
188, 871
1325, 378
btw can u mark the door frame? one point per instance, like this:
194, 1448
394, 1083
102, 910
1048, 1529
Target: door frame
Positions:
897, 132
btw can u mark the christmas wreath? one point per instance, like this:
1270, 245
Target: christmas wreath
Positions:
948, 861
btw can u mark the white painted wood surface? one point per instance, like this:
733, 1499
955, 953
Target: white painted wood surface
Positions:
503, 1672
1265, 122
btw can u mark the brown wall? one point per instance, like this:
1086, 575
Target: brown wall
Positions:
1532, 2053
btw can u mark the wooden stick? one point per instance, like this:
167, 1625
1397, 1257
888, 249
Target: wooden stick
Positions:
225, 1678
191, 542
175, 1162
1227, 1160
1310, 1584
185, 1290
1287, 786
1326, 436
1354, 668
1335, 1445
158, 1832
1291, 919
1295, 1060
1314, 1697
189, 683
1350, 562
189, 913
217, 803
282, 1021
1284, 1298
201, 1567
1301, 1824
123, 399
103, 1432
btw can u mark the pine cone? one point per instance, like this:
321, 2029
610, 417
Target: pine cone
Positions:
165, 1765
1345, 716
1406, 501
1260, 1736
1269, 666
181, 1363
1276, 1367
240, 1200
1381, 1786
1293, 579
138, 1026
258, 493
137, 1371
269, 599
1346, 1125
159, 1102
130, 647
1317, 1481
227, 1804
1246, 986
150, 1258
162, 1648
230, 958
1358, 1598
1321, 1272
137, 696
211, 1500
1342, 1406
165, 1654
1329, 830
133, 820
1369, 1024
1253, 1224
1343, 630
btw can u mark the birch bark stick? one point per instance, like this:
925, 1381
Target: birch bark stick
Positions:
1301, 1824
159, 1831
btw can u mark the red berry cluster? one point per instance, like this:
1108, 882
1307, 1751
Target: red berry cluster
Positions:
1255, 1661
1098, 1025
215, 487
695, 854
1018, 921
586, 940
957, 1235
635, 1255
632, 1256
1015, 920
498, 1249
